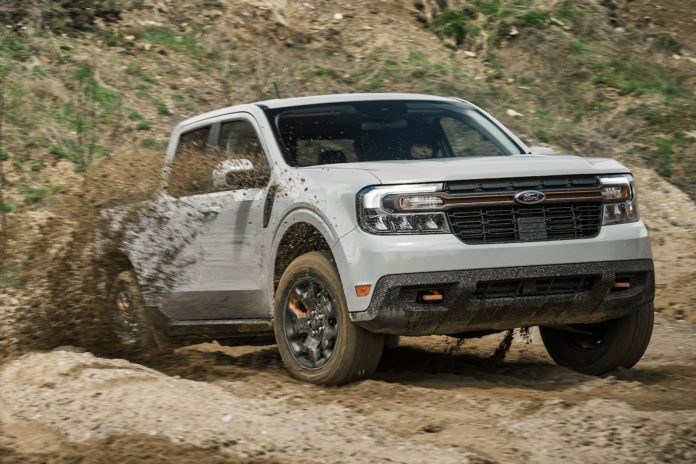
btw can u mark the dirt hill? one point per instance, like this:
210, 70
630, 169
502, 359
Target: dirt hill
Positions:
93, 87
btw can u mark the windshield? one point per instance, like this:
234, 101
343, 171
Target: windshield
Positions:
386, 130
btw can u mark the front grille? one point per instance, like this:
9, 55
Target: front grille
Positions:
486, 211
543, 286
518, 223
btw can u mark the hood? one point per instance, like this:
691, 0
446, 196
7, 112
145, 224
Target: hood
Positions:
448, 169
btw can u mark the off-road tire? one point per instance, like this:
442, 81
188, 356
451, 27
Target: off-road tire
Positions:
391, 342
145, 337
356, 352
623, 343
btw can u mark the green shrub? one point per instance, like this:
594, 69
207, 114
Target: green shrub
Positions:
636, 77
182, 43
454, 24
7, 208
33, 195
135, 115
665, 155
322, 72
58, 152
4, 155
143, 126
667, 43
489, 7
151, 143
36, 166
535, 17
162, 109
12, 47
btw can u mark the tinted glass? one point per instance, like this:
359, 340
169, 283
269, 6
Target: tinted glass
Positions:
190, 170
386, 130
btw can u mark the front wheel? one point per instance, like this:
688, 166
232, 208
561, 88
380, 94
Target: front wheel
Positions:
599, 348
316, 339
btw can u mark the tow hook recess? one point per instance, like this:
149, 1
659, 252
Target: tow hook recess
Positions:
430, 296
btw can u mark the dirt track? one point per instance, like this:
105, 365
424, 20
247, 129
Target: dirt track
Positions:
431, 401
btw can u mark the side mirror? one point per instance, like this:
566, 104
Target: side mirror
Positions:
542, 151
225, 173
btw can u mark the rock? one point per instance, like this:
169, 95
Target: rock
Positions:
513, 31
619, 30
432, 428
469, 54
337, 16
70, 349
213, 14
110, 431
513, 113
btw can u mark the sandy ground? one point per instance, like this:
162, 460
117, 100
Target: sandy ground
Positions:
431, 401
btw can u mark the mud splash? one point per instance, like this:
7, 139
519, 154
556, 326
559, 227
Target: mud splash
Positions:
58, 292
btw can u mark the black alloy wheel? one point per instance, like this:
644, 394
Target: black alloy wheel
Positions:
311, 322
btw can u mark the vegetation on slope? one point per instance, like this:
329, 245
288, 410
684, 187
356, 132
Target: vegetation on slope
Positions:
87, 79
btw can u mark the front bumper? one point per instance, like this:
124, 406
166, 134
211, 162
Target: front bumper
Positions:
508, 297
363, 259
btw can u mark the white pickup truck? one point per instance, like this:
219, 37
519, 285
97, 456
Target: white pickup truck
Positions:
332, 222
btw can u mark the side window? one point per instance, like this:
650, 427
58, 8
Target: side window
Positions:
190, 169
466, 140
246, 163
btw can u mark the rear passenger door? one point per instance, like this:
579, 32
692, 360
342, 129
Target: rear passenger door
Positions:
221, 187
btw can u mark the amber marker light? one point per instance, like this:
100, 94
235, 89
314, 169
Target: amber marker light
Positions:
362, 290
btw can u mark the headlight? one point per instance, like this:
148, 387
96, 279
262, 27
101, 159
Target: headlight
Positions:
402, 209
621, 204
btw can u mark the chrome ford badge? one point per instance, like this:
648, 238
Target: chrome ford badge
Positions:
530, 197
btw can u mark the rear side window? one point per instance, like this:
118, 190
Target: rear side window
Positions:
190, 169
195, 140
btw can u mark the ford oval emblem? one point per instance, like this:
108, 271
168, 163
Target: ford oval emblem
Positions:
530, 197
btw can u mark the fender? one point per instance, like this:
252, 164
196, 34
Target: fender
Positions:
307, 214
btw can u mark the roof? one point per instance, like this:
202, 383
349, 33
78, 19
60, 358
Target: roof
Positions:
347, 97
315, 100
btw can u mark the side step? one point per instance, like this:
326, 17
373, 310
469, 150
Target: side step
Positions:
206, 330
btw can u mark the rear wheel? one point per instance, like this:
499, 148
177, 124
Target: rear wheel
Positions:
316, 338
602, 347
133, 329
